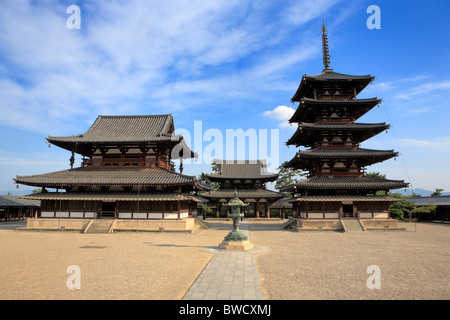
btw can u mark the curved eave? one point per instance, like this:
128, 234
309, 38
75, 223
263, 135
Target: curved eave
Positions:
242, 193
346, 183
358, 107
111, 196
354, 154
84, 147
310, 81
218, 178
304, 159
109, 177
306, 133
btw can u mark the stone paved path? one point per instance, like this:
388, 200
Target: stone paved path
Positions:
229, 275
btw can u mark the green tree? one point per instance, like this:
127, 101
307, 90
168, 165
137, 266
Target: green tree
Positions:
215, 166
427, 210
376, 175
203, 178
400, 209
437, 192
287, 177
205, 209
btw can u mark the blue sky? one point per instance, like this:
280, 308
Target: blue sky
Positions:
230, 64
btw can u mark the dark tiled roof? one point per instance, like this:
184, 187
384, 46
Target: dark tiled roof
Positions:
242, 194
282, 203
357, 153
367, 183
327, 76
243, 169
331, 75
344, 126
367, 156
124, 129
364, 131
344, 198
108, 176
17, 202
111, 196
370, 101
424, 201
309, 108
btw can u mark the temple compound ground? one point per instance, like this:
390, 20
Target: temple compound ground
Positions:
413, 264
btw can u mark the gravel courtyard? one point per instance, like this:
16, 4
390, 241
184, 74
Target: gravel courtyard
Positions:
300, 265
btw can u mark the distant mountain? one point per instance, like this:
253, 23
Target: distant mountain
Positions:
419, 191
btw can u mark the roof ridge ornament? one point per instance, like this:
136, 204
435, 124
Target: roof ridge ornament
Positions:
325, 50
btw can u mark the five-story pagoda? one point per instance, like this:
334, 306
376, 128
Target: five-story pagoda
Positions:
337, 185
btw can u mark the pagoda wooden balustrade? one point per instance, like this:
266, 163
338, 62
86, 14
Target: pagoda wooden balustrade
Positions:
336, 146
328, 120
123, 162
336, 174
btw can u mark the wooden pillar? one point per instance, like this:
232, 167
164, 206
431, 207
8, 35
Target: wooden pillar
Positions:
267, 210
178, 208
228, 212
256, 210
282, 213
355, 210
218, 210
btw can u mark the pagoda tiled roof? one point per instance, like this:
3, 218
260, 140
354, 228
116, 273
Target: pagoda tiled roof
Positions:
344, 198
308, 108
331, 75
109, 176
328, 75
366, 129
345, 102
343, 153
356, 183
304, 158
344, 126
242, 170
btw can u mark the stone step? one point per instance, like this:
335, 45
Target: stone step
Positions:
99, 226
352, 225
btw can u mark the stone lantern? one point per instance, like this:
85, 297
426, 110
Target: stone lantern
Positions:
236, 240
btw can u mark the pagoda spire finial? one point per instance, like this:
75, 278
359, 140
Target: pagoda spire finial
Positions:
325, 51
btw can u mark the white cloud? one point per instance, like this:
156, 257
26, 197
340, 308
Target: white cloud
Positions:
130, 51
301, 12
280, 113
424, 89
440, 144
